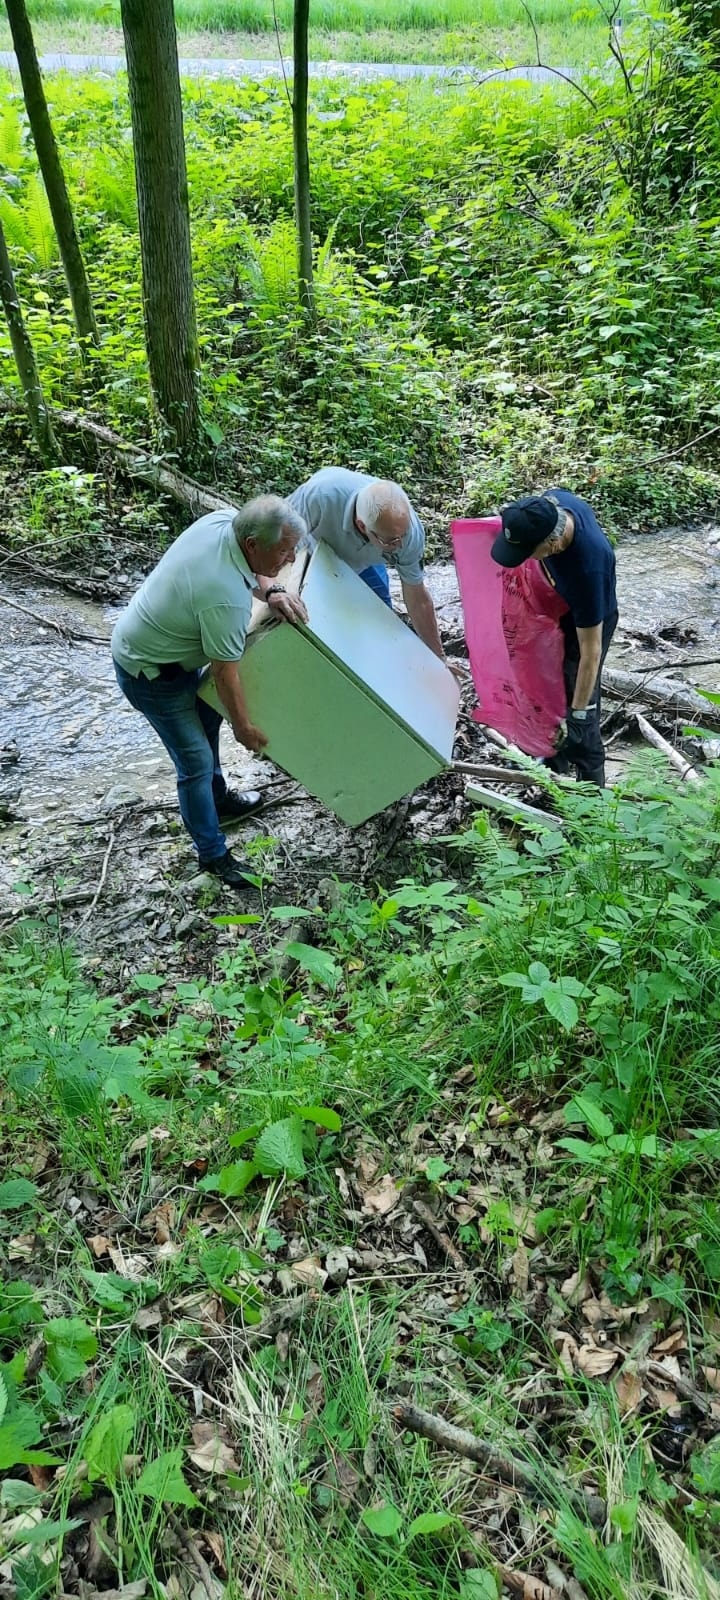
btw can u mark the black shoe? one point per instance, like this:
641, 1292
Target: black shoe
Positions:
226, 868
237, 804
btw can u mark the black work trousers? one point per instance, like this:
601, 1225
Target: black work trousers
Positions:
583, 749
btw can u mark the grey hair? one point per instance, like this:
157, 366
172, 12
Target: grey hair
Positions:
378, 498
266, 519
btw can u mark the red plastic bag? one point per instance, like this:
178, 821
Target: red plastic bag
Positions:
514, 640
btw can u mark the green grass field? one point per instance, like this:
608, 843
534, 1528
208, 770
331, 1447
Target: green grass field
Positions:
446, 31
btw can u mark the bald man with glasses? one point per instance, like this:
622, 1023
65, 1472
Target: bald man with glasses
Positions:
370, 523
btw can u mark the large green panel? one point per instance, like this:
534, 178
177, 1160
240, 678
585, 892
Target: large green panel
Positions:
326, 730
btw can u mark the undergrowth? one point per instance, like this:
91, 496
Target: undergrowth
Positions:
215, 1287
515, 286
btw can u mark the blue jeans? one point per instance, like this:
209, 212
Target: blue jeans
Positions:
190, 732
377, 579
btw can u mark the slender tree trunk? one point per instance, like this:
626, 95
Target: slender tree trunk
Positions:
52, 172
25, 360
302, 160
163, 213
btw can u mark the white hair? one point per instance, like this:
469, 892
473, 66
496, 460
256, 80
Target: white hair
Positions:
266, 519
378, 499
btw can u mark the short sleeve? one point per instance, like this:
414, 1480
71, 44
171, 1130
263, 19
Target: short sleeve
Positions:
409, 558
223, 630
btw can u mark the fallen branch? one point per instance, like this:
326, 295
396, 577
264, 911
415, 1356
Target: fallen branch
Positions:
464, 1443
443, 1239
651, 735
66, 633
516, 809
101, 880
492, 774
139, 464
506, 1468
675, 699
215, 1589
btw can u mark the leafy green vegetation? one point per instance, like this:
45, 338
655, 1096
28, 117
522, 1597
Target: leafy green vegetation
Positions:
212, 1203
514, 286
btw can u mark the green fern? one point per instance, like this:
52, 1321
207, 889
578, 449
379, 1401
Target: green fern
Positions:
11, 140
38, 218
270, 270
28, 224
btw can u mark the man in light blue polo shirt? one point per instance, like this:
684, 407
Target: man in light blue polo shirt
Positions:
370, 524
194, 608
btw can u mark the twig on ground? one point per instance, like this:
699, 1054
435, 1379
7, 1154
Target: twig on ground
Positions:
443, 1239
685, 1388
673, 666
70, 635
101, 879
651, 736
492, 774
506, 1468
214, 1588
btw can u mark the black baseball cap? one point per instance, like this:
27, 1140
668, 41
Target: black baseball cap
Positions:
527, 523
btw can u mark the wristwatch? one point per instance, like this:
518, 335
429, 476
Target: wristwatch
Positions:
275, 588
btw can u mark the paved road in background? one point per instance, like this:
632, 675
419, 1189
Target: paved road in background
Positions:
220, 67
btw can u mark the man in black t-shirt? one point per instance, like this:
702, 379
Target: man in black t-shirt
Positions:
561, 531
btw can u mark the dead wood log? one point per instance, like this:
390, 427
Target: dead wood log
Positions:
507, 1469
651, 735
138, 463
677, 700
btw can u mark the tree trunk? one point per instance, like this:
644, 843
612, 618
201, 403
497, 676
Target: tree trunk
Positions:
302, 159
52, 172
25, 360
163, 213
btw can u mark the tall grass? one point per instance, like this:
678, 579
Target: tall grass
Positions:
256, 16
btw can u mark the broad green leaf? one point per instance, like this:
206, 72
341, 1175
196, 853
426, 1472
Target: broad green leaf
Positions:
280, 1148
435, 1169
148, 982
319, 963
322, 1115
429, 1522
538, 972
384, 1521
561, 1006
16, 1193
16, 1493
582, 1150
44, 1531
583, 1108
162, 1479
70, 1345
287, 913
230, 1181
108, 1442
18, 1433
107, 1289
243, 1135
478, 1585
623, 1143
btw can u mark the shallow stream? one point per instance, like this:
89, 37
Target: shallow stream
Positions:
78, 740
